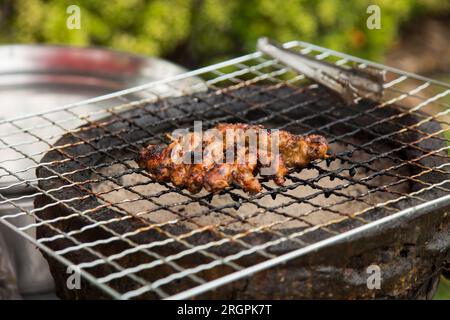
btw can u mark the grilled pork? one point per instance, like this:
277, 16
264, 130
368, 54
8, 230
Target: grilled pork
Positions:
230, 154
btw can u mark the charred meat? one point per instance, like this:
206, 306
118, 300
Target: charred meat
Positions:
230, 154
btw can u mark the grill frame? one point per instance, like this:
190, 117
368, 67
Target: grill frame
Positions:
322, 53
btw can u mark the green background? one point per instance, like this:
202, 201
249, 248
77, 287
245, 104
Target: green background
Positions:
199, 32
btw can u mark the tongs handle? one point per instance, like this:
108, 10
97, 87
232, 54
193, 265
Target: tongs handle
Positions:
349, 83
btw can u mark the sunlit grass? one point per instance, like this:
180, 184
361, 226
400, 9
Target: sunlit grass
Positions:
443, 292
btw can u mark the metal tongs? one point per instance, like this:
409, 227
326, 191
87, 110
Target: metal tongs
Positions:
350, 83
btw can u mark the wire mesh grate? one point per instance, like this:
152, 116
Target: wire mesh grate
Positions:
134, 238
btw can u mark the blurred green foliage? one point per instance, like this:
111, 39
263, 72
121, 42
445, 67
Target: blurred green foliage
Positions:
443, 292
198, 32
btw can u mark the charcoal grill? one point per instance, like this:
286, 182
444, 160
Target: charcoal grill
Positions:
383, 200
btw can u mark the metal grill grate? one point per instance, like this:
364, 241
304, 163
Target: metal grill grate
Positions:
391, 161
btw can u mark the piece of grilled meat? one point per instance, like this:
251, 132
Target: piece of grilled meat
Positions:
214, 171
